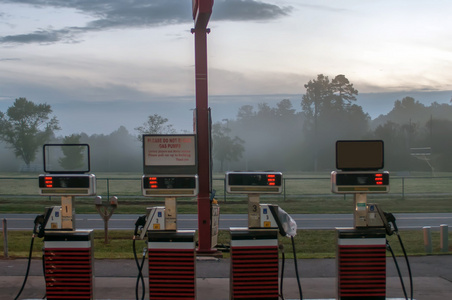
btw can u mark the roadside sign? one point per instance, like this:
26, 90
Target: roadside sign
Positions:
169, 154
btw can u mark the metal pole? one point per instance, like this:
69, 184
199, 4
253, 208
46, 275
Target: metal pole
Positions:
5, 238
204, 207
444, 237
428, 239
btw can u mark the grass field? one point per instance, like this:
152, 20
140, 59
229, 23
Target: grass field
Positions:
308, 243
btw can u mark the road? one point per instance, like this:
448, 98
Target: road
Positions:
189, 221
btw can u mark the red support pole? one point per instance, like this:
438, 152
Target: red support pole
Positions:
204, 206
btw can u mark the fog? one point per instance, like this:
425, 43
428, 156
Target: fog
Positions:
282, 137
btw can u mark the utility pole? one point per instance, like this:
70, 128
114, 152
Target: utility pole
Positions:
202, 9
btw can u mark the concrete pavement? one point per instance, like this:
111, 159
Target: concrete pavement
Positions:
115, 279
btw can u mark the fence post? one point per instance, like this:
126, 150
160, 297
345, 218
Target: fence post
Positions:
108, 188
427, 239
444, 237
5, 238
224, 190
403, 187
284, 186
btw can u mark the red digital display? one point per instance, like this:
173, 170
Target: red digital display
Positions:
271, 179
170, 185
359, 182
379, 179
153, 184
48, 182
254, 182
360, 179
67, 184
169, 182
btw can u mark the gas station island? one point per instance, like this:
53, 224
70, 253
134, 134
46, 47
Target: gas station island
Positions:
179, 165
256, 267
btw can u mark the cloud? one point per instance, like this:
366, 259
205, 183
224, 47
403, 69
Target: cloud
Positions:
123, 14
48, 36
10, 59
247, 10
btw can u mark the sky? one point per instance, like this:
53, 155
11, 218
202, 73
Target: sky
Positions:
102, 64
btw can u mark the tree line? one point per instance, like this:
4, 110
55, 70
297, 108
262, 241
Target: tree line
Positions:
288, 137
284, 138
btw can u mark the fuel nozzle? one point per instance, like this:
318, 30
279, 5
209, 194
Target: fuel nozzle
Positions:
388, 219
38, 229
392, 220
141, 221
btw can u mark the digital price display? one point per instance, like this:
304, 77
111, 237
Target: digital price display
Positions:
359, 182
67, 184
170, 185
254, 182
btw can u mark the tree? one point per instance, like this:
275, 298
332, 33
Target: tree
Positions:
26, 127
343, 91
284, 109
330, 115
155, 124
225, 148
73, 158
245, 112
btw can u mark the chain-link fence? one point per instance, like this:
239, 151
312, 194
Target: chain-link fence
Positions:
293, 186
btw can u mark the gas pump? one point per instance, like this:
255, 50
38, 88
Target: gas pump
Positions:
68, 253
169, 172
171, 252
254, 250
361, 250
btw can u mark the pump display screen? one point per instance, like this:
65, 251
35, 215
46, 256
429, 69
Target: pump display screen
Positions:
66, 158
171, 185
359, 155
254, 182
69, 185
360, 182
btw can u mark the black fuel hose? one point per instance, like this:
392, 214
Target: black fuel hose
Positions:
28, 267
410, 276
388, 246
281, 293
296, 268
140, 277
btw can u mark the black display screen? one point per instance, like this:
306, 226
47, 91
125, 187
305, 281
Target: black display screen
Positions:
169, 182
58, 181
254, 179
359, 155
362, 179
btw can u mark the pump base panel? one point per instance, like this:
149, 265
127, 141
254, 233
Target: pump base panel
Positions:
69, 264
254, 263
361, 263
172, 261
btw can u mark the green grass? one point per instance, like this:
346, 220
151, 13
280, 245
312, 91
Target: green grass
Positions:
309, 244
293, 205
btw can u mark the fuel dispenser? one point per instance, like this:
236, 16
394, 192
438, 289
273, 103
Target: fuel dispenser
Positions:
254, 250
68, 252
171, 252
170, 171
361, 250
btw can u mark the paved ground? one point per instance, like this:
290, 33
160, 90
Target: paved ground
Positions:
115, 279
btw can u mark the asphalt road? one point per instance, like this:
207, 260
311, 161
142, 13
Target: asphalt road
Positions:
189, 221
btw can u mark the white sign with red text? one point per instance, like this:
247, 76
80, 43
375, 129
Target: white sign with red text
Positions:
169, 150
